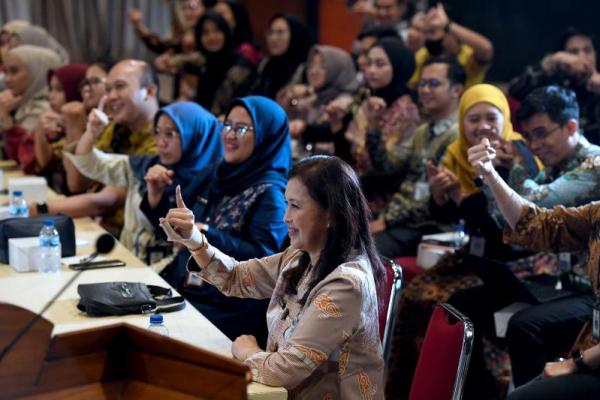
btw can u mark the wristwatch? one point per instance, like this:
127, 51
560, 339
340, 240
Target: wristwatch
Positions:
579, 363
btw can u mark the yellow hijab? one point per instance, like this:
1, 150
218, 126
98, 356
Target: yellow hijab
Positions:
456, 156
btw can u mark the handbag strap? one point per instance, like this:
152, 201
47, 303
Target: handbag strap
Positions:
164, 301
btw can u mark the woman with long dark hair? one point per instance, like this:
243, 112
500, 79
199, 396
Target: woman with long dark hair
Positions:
323, 313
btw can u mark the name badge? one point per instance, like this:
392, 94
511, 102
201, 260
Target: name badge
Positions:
192, 279
421, 191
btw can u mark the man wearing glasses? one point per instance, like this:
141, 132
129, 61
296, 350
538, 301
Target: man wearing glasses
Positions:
399, 226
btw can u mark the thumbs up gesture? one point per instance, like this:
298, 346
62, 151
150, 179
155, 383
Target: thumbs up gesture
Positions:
481, 156
179, 225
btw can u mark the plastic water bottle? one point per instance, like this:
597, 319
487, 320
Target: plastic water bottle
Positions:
157, 324
459, 238
18, 205
48, 257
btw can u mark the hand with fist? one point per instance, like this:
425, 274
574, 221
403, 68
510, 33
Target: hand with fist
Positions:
157, 179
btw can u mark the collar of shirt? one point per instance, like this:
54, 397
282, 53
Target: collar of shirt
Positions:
441, 126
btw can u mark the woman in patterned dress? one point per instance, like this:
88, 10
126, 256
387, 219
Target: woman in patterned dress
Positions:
323, 313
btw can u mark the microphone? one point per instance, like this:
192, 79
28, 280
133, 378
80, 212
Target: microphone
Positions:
104, 244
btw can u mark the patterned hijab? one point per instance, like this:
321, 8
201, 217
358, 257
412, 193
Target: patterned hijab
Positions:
340, 72
38, 61
271, 159
456, 158
37, 36
200, 142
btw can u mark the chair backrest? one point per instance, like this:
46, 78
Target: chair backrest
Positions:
444, 358
389, 298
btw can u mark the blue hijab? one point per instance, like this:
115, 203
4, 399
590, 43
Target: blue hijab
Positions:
271, 159
201, 144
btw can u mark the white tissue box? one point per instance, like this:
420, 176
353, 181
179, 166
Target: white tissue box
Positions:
428, 254
501, 317
34, 188
22, 252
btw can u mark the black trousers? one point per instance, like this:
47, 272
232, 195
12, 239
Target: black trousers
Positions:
397, 242
578, 386
543, 332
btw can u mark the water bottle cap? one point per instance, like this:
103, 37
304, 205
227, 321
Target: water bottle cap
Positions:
17, 193
156, 319
48, 222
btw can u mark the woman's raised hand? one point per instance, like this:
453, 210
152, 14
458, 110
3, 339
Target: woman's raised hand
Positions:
179, 224
157, 179
481, 156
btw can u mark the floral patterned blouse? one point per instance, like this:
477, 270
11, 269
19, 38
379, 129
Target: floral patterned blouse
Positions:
563, 229
328, 348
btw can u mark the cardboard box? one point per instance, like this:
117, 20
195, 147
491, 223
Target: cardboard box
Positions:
501, 317
34, 188
22, 252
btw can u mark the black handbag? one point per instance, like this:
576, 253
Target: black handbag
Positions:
121, 298
31, 226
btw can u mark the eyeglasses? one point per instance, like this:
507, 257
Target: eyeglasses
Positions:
240, 130
538, 134
166, 135
432, 83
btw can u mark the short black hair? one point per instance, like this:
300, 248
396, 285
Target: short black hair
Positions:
570, 32
377, 32
559, 103
456, 72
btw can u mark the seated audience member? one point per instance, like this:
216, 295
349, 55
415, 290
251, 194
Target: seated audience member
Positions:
236, 15
93, 88
483, 112
131, 90
365, 40
184, 15
37, 36
5, 34
288, 43
393, 14
406, 217
187, 138
26, 95
239, 206
573, 66
385, 110
323, 310
41, 152
225, 75
446, 37
131, 102
330, 74
557, 229
548, 118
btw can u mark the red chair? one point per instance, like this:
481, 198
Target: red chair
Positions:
444, 359
389, 298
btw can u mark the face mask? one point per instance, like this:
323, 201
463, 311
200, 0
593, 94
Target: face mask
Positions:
434, 47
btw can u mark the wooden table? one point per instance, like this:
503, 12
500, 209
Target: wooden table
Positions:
32, 290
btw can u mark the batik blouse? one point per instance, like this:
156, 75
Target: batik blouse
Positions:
563, 229
328, 348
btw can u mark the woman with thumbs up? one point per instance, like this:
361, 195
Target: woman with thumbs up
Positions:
323, 310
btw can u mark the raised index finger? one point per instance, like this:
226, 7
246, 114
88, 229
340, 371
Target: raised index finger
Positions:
178, 198
101, 103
